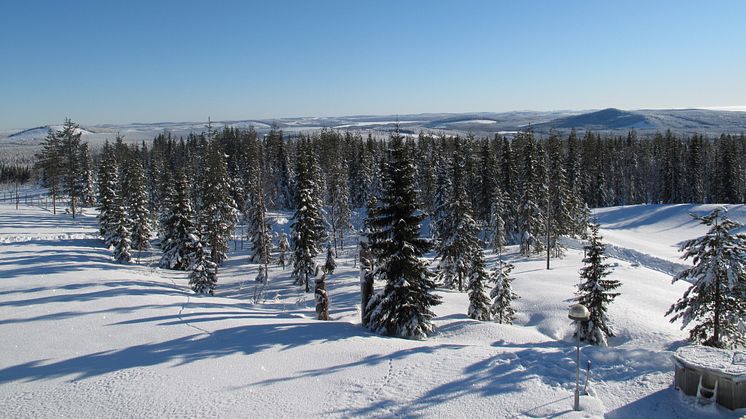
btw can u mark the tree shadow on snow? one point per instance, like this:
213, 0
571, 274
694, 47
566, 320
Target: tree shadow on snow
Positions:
245, 340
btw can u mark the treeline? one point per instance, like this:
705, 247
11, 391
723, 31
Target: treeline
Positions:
65, 167
471, 193
15, 173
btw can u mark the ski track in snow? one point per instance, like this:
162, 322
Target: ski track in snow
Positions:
632, 256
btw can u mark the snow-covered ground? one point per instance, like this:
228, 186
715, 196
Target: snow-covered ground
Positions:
82, 336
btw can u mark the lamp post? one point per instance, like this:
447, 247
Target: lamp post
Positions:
578, 313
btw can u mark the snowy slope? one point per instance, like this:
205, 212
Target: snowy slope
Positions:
84, 337
658, 230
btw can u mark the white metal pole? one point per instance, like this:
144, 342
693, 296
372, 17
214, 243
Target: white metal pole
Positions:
577, 368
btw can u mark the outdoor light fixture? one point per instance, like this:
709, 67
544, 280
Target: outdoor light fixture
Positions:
578, 313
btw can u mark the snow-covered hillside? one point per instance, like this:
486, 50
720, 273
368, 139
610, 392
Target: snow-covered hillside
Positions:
85, 337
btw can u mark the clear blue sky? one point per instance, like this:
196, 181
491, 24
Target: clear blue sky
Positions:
144, 61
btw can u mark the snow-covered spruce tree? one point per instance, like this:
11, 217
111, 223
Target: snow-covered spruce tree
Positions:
329, 264
558, 214
49, 162
308, 223
178, 229
85, 178
108, 179
460, 241
502, 294
165, 205
402, 308
137, 205
260, 231
120, 237
595, 292
530, 217
479, 302
440, 216
218, 211
497, 222
489, 182
203, 276
716, 301
283, 248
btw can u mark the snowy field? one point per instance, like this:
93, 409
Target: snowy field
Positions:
81, 336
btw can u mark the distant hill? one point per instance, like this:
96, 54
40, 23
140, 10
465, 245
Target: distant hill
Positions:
606, 119
611, 120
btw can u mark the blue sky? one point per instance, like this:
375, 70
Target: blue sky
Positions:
146, 61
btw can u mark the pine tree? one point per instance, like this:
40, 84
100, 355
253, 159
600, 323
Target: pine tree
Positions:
502, 294
308, 224
716, 301
71, 168
137, 205
479, 302
178, 229
595, 292
402, 308
218, 210
49, 161
108, 181
329, 264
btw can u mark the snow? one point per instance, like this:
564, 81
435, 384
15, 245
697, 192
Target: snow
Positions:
85, 337
723, 362
658, 230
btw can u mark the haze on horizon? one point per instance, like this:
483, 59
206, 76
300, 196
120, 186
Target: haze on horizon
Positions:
139, 61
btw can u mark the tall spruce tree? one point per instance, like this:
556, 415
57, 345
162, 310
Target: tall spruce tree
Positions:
49, 161
595, 291
70, 150
402, 308
497, 222
440, 216
716, 301
137, 205
85, 178
178, 229
479, 301
218, 210
531, 219
460, 239
120, 238
308, 223
559, 219
108, 181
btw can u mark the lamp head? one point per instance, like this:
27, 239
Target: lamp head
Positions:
578, 312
